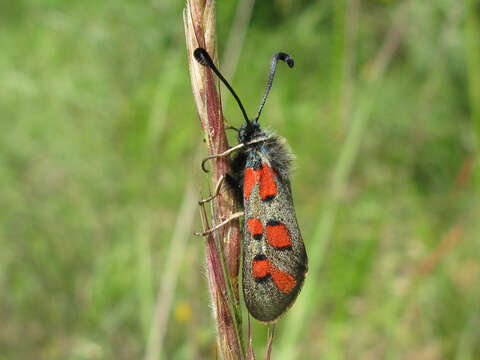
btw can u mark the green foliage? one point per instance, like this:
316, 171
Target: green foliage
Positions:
98, 141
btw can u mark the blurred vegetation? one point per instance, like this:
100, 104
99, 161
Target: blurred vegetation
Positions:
99, 141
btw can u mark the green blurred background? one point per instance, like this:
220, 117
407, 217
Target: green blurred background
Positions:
99, 174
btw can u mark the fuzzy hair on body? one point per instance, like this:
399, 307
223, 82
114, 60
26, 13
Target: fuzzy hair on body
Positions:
274, 147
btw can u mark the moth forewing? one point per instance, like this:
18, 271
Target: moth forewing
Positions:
274, 257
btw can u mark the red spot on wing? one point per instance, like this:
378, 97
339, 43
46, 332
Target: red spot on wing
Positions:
255, 226
283, 280
278, 236
268, 187
250, 179
260, 268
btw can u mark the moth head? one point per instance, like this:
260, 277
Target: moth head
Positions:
249, 131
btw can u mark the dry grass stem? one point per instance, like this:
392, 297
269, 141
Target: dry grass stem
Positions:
222, 246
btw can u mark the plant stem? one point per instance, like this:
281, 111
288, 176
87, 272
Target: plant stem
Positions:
222, 246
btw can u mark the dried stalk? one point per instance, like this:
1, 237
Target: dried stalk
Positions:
223, 246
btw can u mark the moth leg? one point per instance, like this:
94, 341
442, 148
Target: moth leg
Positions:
217, 190
232, 183
225, 153
229, 151
223, 223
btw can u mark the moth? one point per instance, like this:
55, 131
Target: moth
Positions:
274, 260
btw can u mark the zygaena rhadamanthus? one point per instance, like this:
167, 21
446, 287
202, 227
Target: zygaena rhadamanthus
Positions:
274, 257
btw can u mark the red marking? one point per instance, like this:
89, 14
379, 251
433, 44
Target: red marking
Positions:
278, 236
268, 187
255, 227
260, 268
250, 179
283, 280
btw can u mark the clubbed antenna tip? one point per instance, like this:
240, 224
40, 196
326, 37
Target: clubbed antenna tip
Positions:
273, 67
201, 55
287, 58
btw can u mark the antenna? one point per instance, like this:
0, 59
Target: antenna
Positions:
273, 67
202, 56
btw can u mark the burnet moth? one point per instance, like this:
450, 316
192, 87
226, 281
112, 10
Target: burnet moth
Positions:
274, 258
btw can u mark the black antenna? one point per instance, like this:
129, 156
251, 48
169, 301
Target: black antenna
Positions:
273, 67
202, 56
